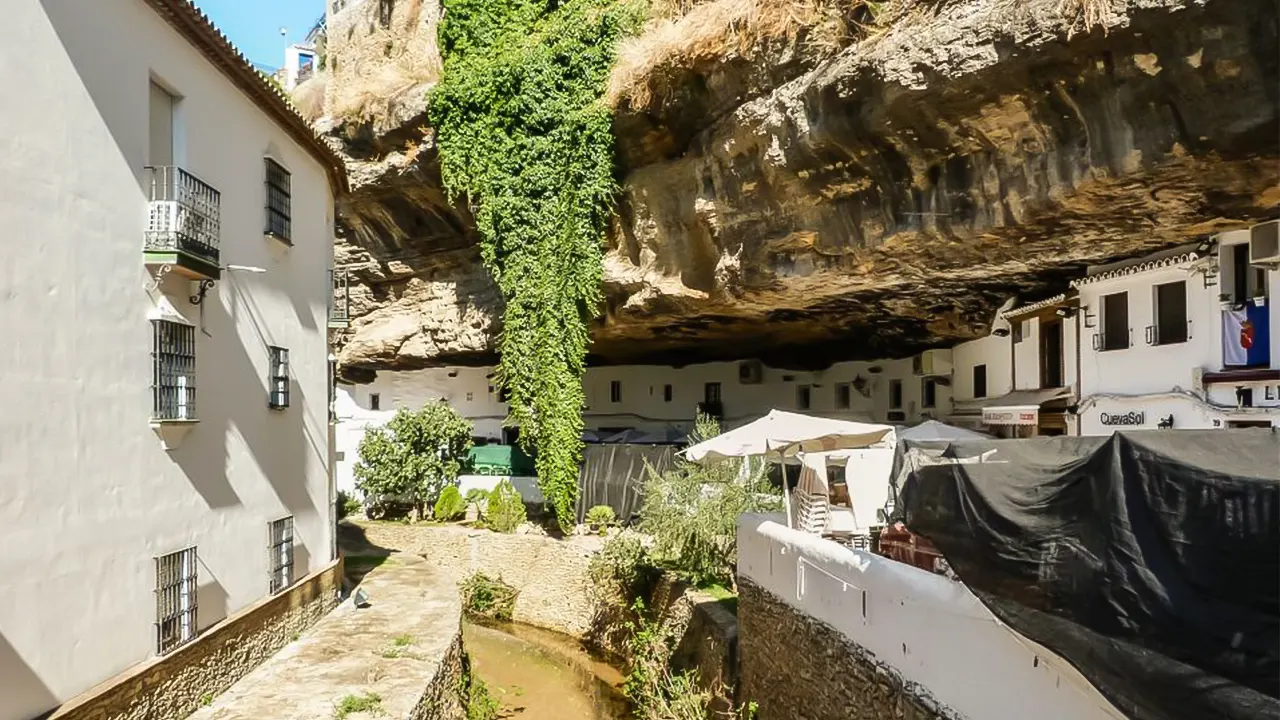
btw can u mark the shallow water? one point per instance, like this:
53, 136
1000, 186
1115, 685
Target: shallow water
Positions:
541, 675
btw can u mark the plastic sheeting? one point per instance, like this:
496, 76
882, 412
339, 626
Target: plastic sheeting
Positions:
1150, 561
614, 475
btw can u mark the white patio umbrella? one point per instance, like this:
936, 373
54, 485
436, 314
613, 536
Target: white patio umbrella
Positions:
782, 434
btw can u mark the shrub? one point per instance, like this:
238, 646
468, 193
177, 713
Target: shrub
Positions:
692, 511
485, 597
450, 504
504, 510
601, 517
620, 569
481, 705
347, 505
415, 456
368, 702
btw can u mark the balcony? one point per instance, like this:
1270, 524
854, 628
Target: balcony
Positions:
339, 300
182, 224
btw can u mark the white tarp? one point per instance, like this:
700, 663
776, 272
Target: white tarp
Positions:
782, 434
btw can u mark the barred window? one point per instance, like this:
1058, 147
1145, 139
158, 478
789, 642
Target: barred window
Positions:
279, 213
280, 554
175, 599
173, 357
278, 379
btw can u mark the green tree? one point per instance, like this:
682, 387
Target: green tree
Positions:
692, 511
504, 510
526, 141
414, 456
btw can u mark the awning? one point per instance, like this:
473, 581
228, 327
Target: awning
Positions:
1020, 407
782, 434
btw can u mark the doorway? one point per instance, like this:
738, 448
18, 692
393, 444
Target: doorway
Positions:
1051, 353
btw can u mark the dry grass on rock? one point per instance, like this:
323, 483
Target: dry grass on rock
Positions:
687, 33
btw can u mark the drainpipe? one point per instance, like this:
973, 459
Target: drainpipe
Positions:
1079, 389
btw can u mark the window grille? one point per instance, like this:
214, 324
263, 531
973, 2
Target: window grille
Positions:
279, 211
895, 394
711, 393
175, 599
667, 393
615, 391
375, 401
280, 554
174, 371
278, 380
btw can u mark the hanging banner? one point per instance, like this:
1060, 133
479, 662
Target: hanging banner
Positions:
1021, 415
1237, 337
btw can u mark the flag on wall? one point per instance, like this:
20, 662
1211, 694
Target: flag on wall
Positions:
1237, 337
1245, 337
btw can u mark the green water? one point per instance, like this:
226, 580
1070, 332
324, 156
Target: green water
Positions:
541, 675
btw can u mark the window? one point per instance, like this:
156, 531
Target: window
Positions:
895, 394
1171, 313
667, 393
804, 396
279, 223
161, 130
280, 553
711, 393
979, 381
175, 599
375, 401
843, 395
928, 393
1248, 281
278, 379
174, 371
615, 391
1018, 330
1115, 322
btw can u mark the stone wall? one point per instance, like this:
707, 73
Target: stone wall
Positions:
550, 574
174, 685
794, 666
444, 696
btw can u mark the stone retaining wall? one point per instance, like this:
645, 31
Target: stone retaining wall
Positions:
173, 686
550, 574
444, 696
794, 666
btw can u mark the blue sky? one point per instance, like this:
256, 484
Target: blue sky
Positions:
254, 25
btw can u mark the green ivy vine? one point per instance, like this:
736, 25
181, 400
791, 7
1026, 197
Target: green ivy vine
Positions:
525, 139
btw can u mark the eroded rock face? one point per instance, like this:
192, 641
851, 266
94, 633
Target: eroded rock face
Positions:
886, 200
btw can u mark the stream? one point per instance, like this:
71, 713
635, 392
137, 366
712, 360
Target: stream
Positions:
542, 675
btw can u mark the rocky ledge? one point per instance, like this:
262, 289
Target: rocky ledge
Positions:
876, 201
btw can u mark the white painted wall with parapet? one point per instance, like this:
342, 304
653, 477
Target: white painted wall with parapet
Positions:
934, 632
88, 496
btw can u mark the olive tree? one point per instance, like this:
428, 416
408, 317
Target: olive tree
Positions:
413, 457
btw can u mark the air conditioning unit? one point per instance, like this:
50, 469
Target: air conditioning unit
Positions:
750, 372
1264, 244
932, 362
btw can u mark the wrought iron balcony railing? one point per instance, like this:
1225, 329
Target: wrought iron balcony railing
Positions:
339, 299
183, 215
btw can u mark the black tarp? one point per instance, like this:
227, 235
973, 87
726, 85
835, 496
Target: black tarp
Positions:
1150, 560
613, 475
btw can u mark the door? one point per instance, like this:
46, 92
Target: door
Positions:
1051, 353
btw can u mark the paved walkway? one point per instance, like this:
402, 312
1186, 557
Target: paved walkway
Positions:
390, 649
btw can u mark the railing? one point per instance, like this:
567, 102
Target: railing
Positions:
183, 215
340, 298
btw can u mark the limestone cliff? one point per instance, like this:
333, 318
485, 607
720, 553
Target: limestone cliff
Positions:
866, 199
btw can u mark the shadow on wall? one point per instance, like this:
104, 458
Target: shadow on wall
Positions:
360, 556
22, 693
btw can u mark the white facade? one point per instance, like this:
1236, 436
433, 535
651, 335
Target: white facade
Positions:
1185, 384
299, 64
929, 630
660, 398
89, 496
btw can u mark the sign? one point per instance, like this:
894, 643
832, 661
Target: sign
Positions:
1021, 415
1130, 418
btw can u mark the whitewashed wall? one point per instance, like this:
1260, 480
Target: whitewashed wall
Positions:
992, 351
88, 497
929, 629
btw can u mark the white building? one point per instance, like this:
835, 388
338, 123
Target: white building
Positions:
662, 400
1164, 338
299, 64
164, 461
